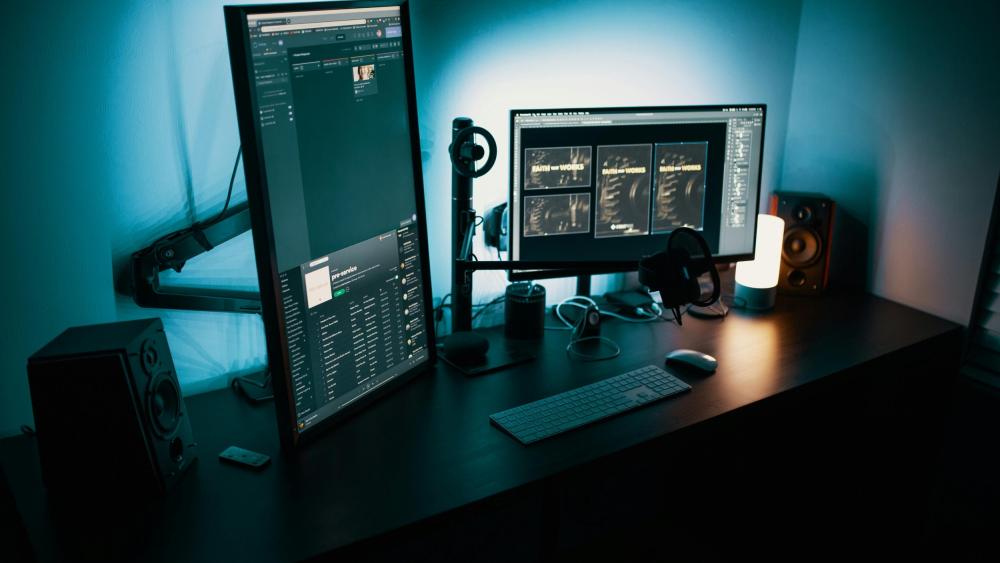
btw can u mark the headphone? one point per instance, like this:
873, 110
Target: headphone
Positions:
675, 271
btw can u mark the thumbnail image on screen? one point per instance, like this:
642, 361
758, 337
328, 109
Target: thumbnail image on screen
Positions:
364, 72
679, 190
556, 214
557, 167
623, 190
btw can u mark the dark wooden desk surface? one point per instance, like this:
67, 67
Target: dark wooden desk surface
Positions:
429, 448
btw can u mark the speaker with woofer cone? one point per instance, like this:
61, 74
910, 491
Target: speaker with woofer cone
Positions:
109, 417
805, 251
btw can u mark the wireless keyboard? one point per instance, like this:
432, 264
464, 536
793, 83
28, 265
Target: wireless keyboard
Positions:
553, 415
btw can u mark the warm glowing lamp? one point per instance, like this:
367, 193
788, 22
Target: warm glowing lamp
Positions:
757, 280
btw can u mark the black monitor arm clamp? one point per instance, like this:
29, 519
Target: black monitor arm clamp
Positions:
172, 252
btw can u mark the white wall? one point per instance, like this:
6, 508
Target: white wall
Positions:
894, 115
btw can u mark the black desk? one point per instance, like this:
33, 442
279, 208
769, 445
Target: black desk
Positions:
423, 473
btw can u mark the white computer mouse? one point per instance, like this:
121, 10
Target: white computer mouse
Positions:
693, 359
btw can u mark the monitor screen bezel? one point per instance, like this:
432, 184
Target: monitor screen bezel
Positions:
260, 217
618, 266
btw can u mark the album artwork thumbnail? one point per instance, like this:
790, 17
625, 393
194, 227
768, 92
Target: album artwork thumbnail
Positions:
557, 167
562, 214
623, 190
679, 189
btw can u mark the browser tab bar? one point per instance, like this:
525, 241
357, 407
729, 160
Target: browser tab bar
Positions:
315, 25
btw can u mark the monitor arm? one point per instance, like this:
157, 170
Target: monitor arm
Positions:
464, 153
173, 251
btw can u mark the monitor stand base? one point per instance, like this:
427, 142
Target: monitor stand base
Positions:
256, 386
501, 354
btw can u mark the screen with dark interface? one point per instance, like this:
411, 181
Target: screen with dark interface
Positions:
331, 113
609, 185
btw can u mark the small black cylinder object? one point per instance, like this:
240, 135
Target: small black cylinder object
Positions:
524, 311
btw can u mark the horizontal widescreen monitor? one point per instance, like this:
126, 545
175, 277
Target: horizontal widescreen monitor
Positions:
607, 186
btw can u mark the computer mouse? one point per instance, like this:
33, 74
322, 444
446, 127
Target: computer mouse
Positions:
466, 347
693, 359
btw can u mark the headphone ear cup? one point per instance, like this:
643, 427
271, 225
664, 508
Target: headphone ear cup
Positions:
665, 272
647, 270
655, 270
698, 266
693, 289
704, 266
674, 272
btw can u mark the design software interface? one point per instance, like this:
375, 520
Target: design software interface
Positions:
614, 183
330, 99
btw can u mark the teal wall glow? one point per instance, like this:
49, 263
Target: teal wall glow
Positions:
529, 54
894, 116
121, 127
56, 176
175, 135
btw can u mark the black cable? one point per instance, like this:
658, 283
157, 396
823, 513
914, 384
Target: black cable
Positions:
674, 320
439, 310
439, 313
202, 224
442, 304
229, 193
487, 306
572, 352
27, 430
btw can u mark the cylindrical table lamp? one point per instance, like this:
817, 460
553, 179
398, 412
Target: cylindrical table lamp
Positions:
757, 280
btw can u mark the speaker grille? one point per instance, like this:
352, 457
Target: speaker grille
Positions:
805, 250
163, 405
149, 356
802, 247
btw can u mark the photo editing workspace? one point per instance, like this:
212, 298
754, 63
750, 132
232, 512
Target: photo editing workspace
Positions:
565, 281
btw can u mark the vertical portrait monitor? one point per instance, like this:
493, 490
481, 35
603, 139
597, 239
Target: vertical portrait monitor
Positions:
325, 104
607, 186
